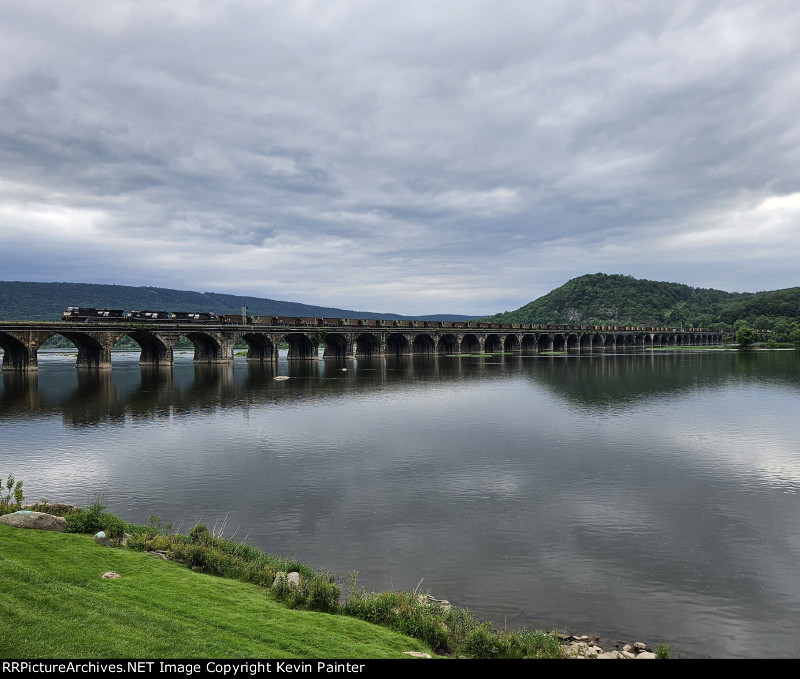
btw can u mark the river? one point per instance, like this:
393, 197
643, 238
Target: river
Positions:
647, 496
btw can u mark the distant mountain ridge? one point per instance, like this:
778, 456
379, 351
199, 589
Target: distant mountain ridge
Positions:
25, 301
618, 299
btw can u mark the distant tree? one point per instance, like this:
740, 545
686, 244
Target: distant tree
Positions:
794, 337
745, 336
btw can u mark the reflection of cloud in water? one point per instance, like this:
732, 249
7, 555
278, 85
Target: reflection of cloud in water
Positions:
766, 457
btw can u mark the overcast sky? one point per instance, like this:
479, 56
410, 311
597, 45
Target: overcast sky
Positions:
413, 157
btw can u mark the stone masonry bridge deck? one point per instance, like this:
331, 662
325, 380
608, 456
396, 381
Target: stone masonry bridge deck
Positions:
214, 342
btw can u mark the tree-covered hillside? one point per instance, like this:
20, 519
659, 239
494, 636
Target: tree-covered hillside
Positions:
21, 301
601, 299
759, 308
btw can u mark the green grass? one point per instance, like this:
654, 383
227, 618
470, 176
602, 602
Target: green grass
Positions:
53, 604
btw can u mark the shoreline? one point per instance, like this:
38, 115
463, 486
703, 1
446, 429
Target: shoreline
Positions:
297, 585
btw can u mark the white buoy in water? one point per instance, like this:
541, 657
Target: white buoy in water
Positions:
281, 378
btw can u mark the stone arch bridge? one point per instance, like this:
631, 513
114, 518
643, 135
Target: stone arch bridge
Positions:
214, 342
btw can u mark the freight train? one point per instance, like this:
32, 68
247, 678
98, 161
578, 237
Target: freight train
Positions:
90, 315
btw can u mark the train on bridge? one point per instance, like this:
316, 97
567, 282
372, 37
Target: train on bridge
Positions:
91, 315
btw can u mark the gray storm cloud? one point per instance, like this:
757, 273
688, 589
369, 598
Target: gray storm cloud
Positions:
411, 157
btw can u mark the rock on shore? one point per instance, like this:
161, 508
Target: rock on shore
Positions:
35, 520
585, 647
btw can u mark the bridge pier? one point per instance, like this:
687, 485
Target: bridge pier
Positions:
155, 350
338, 345
302, 346
19, 350
261, 347
472, 343
448, 343
210, 346
94, 348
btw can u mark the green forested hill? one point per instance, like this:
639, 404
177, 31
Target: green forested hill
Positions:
22, 301
759, 308
616, 299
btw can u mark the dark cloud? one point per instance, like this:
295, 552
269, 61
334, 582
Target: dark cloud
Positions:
416, 157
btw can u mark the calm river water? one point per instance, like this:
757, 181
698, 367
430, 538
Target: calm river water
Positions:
646, 497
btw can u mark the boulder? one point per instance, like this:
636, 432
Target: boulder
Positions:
110, 575
644, 655
35, 520
101, 539
292, 579
417, 654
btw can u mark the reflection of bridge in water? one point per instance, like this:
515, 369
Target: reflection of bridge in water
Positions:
214, 343
594, 383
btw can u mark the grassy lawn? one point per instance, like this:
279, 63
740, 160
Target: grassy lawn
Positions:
54, 604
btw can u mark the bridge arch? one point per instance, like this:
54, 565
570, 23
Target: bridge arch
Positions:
597, 341
610, 342
559, 342
529, 344
448, 344
208, 348
493, 344
154, 351
337, 345
573, 343
544, 342
511, 344
367, 344
470, 344
397, 344
260, 348
93, 352
585, 341
301, 346
18, 355
424, 344
621, 341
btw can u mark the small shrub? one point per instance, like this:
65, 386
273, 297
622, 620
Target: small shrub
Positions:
538, 644
482, 643
200, 534
11, 496
281, 589
114, 526
662, 652
89, 520
460, 622
320, 593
